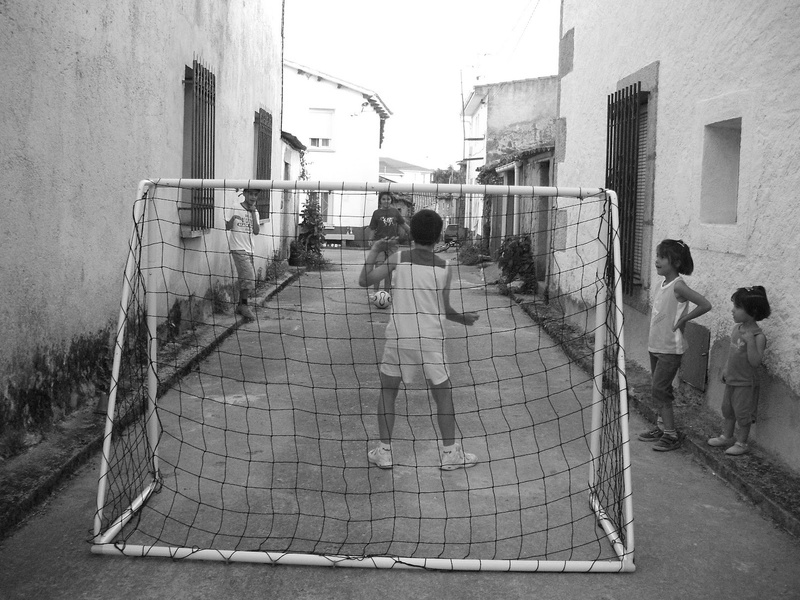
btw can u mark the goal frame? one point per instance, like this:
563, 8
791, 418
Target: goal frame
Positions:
103, 540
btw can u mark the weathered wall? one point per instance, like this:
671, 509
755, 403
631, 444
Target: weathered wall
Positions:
520, 115
749, 69
92, 102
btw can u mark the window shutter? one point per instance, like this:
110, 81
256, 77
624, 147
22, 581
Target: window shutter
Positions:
625, 174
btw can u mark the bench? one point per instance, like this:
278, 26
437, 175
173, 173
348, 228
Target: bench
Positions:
338, 238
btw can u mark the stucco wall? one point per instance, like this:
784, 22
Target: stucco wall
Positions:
749, 69
521, 115
92, 102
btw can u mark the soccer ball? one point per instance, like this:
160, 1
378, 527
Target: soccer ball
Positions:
382, 299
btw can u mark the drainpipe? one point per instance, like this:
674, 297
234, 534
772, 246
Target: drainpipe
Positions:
517, 181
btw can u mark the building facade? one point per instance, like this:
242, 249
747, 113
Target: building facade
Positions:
398, 171
94, 100
342, 125
698, 135
511, 134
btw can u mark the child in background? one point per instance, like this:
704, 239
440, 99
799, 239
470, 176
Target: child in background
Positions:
740, 374
386, 224
242, 225
666, 344
415, 334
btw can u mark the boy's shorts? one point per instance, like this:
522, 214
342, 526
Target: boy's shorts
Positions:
406, 364
245, 269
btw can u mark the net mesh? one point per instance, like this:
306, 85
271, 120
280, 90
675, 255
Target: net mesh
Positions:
258, 439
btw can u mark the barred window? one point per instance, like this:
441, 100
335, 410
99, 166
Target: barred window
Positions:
198, 146
263, 159
626, 155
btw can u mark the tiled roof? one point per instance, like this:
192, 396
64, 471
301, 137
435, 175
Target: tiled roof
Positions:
292, 141
521, 155
392, 165
372, 97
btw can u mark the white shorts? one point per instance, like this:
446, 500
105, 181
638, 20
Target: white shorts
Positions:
406, 364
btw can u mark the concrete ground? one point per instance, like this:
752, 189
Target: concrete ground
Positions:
696, 537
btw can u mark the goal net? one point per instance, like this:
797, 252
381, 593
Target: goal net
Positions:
246, 439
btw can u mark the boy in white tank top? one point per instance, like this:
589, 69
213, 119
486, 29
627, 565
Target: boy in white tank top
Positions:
415, 334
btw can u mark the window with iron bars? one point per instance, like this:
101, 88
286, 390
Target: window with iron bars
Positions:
263, 124
626, 156
198, 161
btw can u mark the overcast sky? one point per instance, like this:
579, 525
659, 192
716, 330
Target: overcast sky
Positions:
419, 56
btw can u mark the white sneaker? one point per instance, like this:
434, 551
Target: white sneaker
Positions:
454, 458
380, 457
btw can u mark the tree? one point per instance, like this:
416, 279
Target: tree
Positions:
449, 175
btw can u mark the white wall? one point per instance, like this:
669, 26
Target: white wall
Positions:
92, 102
749, 69
476, 128
353, 155
289, 201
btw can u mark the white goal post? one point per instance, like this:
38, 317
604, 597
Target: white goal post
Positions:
245, 441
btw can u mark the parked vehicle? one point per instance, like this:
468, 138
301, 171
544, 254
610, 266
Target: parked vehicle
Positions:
456, 233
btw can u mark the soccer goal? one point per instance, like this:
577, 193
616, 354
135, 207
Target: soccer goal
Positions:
246, 440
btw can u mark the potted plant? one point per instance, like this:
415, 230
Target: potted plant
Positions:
295, 254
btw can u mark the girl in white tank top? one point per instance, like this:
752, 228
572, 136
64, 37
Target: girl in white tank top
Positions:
666, 344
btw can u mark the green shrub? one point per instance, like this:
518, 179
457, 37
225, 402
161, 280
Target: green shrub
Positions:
306, 250
276, 267
516, 260
312, 261
312, 228
470, 253
221, 297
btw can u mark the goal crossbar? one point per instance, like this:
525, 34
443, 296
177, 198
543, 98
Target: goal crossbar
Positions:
356, 186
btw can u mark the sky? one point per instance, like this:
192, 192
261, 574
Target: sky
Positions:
423, 58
